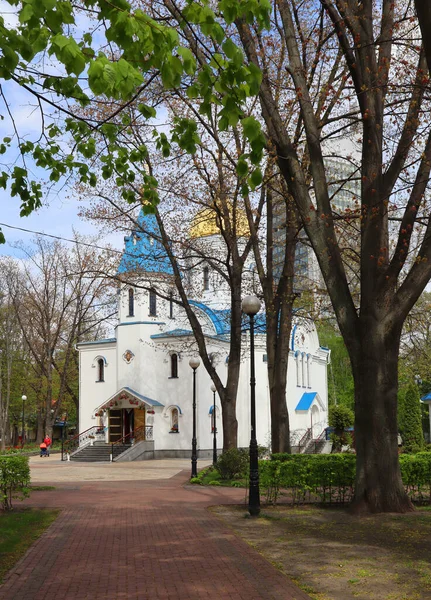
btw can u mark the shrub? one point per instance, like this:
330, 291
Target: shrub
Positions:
328, 477
233, 463
331, 477
14, 479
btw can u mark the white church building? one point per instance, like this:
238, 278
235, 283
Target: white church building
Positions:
138, 386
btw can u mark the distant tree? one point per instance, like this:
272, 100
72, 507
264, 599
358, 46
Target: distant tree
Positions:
411, 420
340, 418
341, 388
58, 297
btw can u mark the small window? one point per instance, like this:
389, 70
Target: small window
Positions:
206, 278
153, 303
171, 305
174, 366
131, 303
101, 370
174, 420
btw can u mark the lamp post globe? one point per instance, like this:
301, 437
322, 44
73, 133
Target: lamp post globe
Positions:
251, 306
194, 363
214, 389
23, 398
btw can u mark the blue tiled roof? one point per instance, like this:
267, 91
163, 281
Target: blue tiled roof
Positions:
426, 398
96, 342
219, 318
306, 401
172, 333
143, 251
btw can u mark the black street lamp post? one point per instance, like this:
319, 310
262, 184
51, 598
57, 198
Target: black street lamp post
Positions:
213, 389
23, 398
194, 363
251, 306
62, 436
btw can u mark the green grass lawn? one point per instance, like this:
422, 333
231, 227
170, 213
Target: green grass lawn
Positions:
333, 555
18, 531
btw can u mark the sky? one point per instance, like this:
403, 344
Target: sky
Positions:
59, 214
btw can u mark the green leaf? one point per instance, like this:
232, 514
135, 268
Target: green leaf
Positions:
149, 112
189, 61
255, 178
242, 167
251, 128
26, 13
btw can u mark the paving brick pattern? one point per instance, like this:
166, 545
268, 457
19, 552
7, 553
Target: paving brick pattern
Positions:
140, 540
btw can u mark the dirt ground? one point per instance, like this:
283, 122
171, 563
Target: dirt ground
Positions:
333, 555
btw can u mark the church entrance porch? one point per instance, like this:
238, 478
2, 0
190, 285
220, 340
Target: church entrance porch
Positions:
123, 417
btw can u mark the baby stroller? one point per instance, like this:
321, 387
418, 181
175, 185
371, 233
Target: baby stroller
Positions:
43, 450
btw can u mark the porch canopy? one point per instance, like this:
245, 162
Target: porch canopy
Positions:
308, 399
127, 398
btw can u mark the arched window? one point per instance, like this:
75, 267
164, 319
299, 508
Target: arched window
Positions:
298, 367
171, 305
303, 368
206, 278
100, 370
131, 303
153, 303
174, 365
174, 420
308, 370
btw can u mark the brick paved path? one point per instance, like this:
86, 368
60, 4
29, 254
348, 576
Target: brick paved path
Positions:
140, 540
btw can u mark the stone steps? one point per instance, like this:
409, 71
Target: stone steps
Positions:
99, 452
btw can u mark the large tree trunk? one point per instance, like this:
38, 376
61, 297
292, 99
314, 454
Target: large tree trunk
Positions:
379, 487
280, 428
277, 344
39, 428
229, 421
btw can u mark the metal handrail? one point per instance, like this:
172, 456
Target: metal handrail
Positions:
130, 435
304, 440
73, 444
147, 430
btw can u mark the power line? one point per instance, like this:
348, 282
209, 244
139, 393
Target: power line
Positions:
60, 238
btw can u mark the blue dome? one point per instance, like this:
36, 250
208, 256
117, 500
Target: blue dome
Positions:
143, 251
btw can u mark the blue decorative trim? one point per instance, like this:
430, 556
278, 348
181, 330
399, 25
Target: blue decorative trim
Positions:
141, 323
105, 341
292, 338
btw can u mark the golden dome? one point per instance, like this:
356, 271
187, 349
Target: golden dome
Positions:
206, 222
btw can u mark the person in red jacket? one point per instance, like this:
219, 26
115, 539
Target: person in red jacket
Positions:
48, 443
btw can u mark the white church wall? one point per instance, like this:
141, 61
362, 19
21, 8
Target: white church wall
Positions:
92, 393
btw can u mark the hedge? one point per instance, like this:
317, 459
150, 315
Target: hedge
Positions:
14, 479
330, 478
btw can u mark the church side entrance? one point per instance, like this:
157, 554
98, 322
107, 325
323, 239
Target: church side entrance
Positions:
124, 421
121, 423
